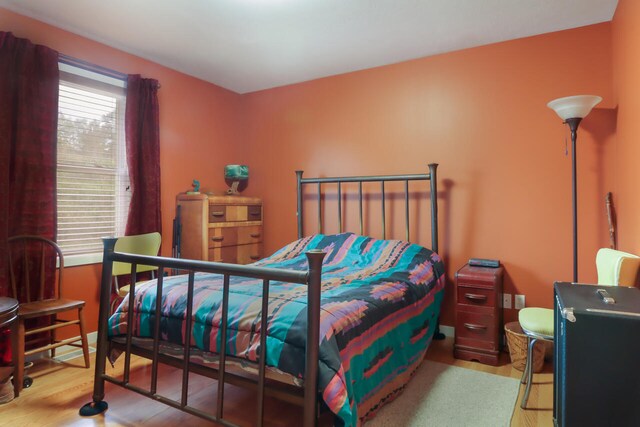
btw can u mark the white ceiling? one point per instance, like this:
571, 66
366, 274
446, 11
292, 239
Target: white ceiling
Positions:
249, 45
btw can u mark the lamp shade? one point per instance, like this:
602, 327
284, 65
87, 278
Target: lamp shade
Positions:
236, 172
571, 107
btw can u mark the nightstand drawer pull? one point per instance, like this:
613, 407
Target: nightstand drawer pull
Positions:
255, 257
217, 213
476, 297
254, 235
217, 238
475, 327
254, 213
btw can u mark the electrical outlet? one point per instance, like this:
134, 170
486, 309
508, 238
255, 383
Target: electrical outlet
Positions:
519, 302
506, 300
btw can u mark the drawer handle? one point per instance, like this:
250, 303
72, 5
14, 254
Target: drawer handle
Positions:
254, 257
217, 238
254, 235
254, 213
217, 213
474, 327
476, 297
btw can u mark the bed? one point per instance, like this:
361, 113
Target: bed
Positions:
349, 317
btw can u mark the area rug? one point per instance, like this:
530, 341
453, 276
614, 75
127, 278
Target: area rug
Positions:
444, 395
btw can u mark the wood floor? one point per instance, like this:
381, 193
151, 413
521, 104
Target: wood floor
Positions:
60, 389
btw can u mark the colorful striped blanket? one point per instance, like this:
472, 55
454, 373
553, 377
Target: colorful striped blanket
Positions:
380, 303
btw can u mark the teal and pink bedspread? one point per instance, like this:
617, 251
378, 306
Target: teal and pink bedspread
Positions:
380, 304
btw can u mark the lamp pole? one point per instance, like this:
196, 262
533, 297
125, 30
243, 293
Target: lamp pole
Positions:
573, 125
572, 109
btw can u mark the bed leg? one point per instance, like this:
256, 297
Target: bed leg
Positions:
98, 405
310, 416
93, 408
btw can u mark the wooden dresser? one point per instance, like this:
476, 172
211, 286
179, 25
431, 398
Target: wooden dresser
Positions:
220, 228
478, 314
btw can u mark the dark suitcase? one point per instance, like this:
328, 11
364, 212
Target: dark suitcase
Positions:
596, 380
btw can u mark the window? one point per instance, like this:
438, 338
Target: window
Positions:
92, 175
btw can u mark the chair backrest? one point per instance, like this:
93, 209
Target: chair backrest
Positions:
33, 261
617, 268
141, 244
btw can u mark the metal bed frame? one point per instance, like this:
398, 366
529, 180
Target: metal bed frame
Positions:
311, 278
431, 177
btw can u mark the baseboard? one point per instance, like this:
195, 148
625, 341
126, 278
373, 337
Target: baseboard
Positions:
448, 331
68, 352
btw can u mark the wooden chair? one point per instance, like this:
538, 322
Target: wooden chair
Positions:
33, 259
141, 244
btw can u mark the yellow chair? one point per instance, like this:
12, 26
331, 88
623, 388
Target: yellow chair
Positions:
141, 244
615, 268
537, 324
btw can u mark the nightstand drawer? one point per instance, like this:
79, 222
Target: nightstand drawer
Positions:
478, 297
230, 236
479, 277
475, 330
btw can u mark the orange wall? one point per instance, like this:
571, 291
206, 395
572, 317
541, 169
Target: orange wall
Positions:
198, 131
481, 114
626, 84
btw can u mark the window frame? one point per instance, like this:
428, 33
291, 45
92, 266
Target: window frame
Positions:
99, 79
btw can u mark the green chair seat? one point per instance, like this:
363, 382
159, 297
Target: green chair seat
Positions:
537, 321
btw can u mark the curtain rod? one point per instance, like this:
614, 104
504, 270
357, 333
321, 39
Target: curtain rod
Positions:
69, 60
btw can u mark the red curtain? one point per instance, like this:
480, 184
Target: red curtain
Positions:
28, 135
142, 132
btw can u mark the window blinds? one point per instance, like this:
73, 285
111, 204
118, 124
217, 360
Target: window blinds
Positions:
92, 175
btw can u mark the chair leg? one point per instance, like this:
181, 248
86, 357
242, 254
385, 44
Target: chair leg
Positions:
18, 375
523, 380
15, 351
52, 335
525, 398
83, 336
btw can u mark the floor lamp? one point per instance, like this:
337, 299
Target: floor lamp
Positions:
572, 110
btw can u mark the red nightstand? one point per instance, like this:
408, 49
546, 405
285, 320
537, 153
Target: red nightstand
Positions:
478, 314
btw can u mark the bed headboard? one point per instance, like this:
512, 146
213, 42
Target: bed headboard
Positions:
431, 177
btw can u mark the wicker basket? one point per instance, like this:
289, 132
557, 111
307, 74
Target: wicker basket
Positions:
517, 342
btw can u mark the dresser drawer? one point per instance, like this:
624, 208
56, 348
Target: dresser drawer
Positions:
234, 213
230, 236
249, 253
239, 254
477, 297
217, 213
254, 212
476, 330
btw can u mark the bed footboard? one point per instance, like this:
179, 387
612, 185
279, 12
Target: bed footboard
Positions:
311, 278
